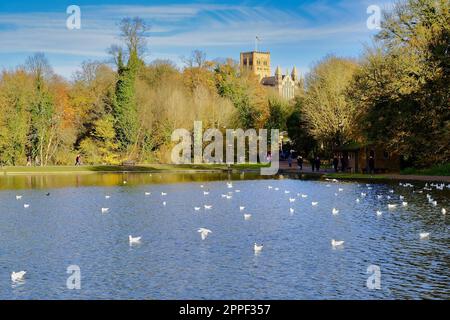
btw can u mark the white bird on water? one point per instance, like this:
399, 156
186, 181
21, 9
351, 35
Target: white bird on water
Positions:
148, 193
134, 240
335, 211
237, 191
164, 203
18, 276
105, 210
287, 191
204, 232
269, 187
401, 197
257, 248
276, 189
335, 243
304, 196
379, 213
291, 199
26, 206
392, 206
357, 200
247, 216
18, 197
207, 207
379, 196
444, 211
163, 194
205, 193
291, 210
241, 208
340, 189
197, 208
107, 197
314, 204
424, 235
404, 203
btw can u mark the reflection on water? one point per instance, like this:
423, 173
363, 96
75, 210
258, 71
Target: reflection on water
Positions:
114, 179
172, 262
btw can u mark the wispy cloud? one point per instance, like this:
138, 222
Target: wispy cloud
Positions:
176, 28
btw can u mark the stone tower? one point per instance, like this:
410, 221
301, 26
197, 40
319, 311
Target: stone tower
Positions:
257, 62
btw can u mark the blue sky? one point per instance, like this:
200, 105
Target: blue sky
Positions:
295, 32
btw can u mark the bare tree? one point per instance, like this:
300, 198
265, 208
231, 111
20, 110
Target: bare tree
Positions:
133, 32
197, 59
38, 65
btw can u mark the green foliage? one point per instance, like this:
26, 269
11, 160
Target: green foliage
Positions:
298, 131
278, 113
327, 110
403, 86
101, 147
124, 105
438, 170
243, 91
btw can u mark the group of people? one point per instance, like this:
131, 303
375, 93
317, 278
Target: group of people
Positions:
316, 163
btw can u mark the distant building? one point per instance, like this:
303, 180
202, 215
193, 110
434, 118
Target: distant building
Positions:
259, 64
256, 62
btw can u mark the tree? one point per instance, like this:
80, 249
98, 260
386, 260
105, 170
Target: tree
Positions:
329, 114
133, 33
16, 94
298, 130
42, 110
402, 88
101, 146
245, 93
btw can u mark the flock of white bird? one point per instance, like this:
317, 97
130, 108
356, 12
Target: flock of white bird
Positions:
257, 248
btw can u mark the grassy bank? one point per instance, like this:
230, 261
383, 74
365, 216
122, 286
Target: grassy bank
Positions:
355, 176
441, 170
136, 168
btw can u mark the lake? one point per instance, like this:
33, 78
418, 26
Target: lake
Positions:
297, 261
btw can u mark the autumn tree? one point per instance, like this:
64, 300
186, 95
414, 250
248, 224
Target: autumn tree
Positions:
402, 88
329, 114
133, 33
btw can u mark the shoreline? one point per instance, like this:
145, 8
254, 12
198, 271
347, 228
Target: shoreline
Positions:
192, 169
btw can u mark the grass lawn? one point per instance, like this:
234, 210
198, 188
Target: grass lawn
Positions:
441, 170
136, 168
354, 176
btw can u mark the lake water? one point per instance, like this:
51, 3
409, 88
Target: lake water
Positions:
172, 262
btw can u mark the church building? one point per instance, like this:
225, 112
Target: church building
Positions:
259, 64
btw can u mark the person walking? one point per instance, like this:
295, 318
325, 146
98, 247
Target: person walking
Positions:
317, 164
343, 165
313, 164
300, 163
335, 163
371, 165
290, 160
78, 160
